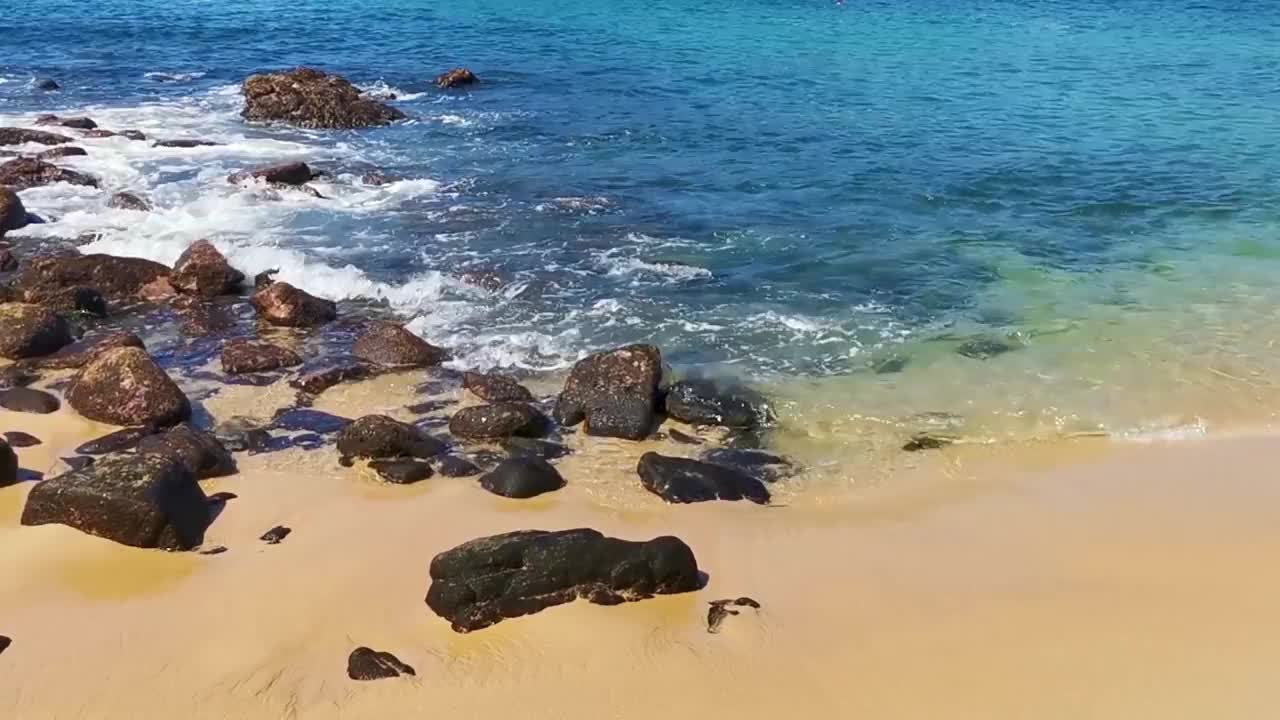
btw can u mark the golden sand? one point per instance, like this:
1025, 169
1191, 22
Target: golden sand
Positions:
1090, 579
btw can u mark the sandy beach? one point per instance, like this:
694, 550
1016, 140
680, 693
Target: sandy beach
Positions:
1075, 579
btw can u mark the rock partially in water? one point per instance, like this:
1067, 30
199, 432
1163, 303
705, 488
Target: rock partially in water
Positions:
401, 472
390, 345
761, 465
496, 421
930, 440
28, 331
119, 279
145, 501
244, 356
283, 304
203, 270
8, 261
379, 437
118, 441
198, 451
8, 464
483, 279
185, 143
22, 136
496, 388
455, 78
71, 300
309, 98
79, 123
889, 364
80, 353
263, 280
522, 447
454, 466
241, 434
290, 173
304, 419
703, 402
318, 381
29, 400
485, 581
522, 478
275, 535
48, 85
681, 480
985, 347
367, 664
19, 439
133, 135
615, 392
124, 386
62, 151
129, 201
12, 376
26, 173
684, 438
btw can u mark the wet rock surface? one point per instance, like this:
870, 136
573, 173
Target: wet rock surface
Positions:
456, 78
199, 452
283, 304
80, 353
720, 610
128, 201
124, 386
485, 581
142, 500
12, 376
275, 535
367, 664
290, 173
985, 347
29, 400
79, 123
309, 98
22, 136
454, 466
390, 345
682, 480
118, 441
26, 173
496, 388
402, 472
28, 331
522, 478
71, 301
379, 437
759, 464
530, 447
704, 402
19, 439
203, 270
614, 392
62, 151
245, 356
317, 381
119, 279
305, 419
13, 215
496, 421
8, 464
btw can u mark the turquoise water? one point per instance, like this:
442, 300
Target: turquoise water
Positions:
788, 188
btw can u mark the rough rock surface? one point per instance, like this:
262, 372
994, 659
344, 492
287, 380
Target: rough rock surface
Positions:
454, 466
28, 331
141, 500
379, 437
203, 270
22, 136
114, 442
79, 353
29, 400
496, 421
8, 464
391, 345
246, 356
199, 452
12, 213
681, 480
62, 151
124, 386
312, 99
367, 664
522, 478
128, 201
283, 304
702, 402
119, 279
401, 472
615, 392
26, 173
496, 388
457, 77
79, 123
290, 173
70, 300
317, 381
485, 581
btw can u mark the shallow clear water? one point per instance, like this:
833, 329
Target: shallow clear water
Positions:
789, 190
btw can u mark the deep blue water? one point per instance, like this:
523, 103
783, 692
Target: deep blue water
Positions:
838, 177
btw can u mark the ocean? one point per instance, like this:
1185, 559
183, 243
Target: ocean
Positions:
1007, 220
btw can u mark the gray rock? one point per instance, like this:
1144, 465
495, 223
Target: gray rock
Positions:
703, 402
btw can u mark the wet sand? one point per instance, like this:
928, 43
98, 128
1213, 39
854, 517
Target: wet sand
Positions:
1066, 580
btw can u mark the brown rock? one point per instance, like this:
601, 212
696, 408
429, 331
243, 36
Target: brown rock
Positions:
457, 77
379, 437
62, 152
85, 300
499, 420
309, 98
292, 173
496, 388
21, 136
199, 452
117, 278
80, 353
390, 345
243, 356
316, 382
283, 304
128, 201
615, 392
124, 386
203, 270
28, 331
29, 400
8, 464
79, 123
24, 173
8, 263
12, 214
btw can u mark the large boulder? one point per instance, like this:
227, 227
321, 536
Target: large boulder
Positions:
522, 478
12, 214
245, 356
703, 402
124, 386
496, 388
457, 77
24, 173
379, 437
8, 464
80, 353
203, 270
390, 345
485, 581
615, 392
84, 300
22, 136
290, 173
28, 331
681, 480
146, 501
283, 304
199, 452
497, 421
119, 279
312, 99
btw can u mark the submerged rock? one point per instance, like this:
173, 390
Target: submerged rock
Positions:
702, 402
391, 345
283, 304
48, 85
28, 400
309, 98
529, 447
8, 464
12, 213
240, 434
203, 270
26, 173
145, 501
401, 472
128, 201
244, 356
28, 331
522, 478
499, 420
290, 173
300, 419
615, 392
930, 440
185, 143
379, 437
367, 664
984, 348
485, 581
681, 480
457, 77
496, 388
318, 381
124, 386
22, 136
199, 452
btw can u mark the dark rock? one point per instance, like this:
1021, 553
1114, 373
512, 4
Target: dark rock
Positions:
133, 135
301, 419
28, 400
263, 280
496, 388
483, 279
616, 392
8, 464
62, 151
681, 480
275, 535
48, 85
78, 462
128, 201
84, 300
428, 406
761, 465
521, 447
366, 664
8, 263
185, 143
454, 466
684, 438
124, 386
291, 173
212, 550
26, 173
307, 441
118, 441
929, 440
377, 178
243, 356
457, 77
12, 376
80, 353
890, 364
701, 402
522, 478
199, 452
378, 437
141, 500
22, 136
202, 316
390, 345
401, 472
203, 270
485, 581
984, 348
31, 331
20, 439
12, 213
499, 420
239, 434
283, 304
312, 99
721, 609
79, 123
318, 381
100, 133
119, 279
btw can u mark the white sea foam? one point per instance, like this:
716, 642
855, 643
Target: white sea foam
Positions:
176, 77
382, 89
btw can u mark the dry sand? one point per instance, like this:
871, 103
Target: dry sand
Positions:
1074, 580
